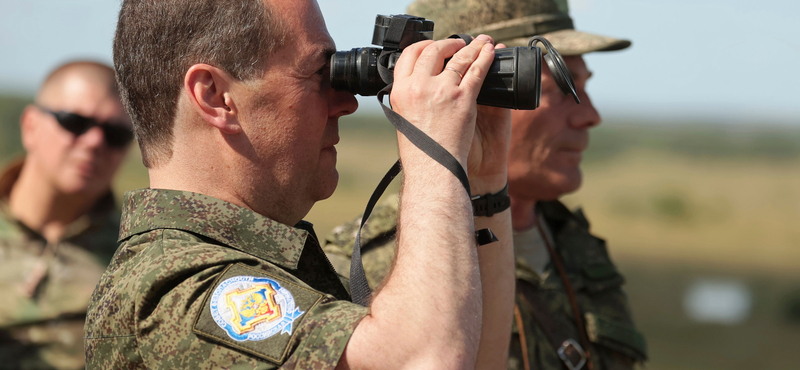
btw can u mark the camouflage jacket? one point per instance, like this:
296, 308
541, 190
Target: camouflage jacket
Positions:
199, 283
616, 344
46, 286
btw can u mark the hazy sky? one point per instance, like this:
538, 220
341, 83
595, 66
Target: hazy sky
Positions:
722, 60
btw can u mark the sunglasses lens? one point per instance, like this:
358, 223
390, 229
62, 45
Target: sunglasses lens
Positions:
74, 123
116, 137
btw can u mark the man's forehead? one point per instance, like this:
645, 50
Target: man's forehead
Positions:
74, 92
305, 55
312, 47
303, 19
298, 15
84, 97
78, 81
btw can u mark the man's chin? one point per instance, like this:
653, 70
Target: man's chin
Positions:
82, 184
328, 186
569, 182
546, 188
85, 189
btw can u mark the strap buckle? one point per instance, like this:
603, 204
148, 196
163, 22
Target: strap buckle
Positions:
490, 204
572, 354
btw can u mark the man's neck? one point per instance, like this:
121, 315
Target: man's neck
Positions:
523, 213
204, 160
42, 208
218, 181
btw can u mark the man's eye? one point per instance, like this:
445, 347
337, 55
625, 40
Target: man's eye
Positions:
325, 69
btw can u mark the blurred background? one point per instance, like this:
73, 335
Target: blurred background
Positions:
693, 177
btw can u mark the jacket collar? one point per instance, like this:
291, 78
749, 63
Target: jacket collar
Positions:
558, 214
237, 227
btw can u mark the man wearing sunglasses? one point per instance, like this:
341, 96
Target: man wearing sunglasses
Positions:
58, 219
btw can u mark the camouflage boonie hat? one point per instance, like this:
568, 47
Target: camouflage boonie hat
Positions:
513, 22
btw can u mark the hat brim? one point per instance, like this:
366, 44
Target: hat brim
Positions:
572, 42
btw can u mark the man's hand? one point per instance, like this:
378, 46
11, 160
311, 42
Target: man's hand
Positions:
424, 93
435, 98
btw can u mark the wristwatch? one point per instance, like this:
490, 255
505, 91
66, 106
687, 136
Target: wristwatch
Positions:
490, 204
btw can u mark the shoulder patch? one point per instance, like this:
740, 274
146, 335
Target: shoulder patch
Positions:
253, 308
254, 312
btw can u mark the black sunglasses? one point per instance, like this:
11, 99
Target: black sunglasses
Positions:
116, 136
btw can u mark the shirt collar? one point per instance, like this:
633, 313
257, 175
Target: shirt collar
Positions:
558, 213
144, 210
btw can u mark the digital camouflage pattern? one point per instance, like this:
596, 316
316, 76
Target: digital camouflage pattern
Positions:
45, 288
513, 22
151, 308
616, 342
377, 251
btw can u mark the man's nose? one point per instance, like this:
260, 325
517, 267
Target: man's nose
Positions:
342, 103
584, 114
93, 138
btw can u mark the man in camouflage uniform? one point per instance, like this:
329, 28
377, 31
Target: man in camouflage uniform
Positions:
58, 218
234, 112
544, 164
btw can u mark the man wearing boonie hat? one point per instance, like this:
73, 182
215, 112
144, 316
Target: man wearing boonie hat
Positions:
571, 312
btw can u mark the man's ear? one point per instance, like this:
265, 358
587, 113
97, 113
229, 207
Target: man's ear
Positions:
208, 90
28, 127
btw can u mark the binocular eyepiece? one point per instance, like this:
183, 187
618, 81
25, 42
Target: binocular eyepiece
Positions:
514, 79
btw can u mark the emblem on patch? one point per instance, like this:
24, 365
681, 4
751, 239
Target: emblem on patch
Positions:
253, 308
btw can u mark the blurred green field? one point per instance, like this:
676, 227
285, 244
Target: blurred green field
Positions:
676, 201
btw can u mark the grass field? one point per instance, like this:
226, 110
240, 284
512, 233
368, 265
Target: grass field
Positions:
676, 202
766, 340
737, 213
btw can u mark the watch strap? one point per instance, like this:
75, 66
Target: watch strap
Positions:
491, 204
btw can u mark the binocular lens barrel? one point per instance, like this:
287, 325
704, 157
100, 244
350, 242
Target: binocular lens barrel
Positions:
356, 71
514, 80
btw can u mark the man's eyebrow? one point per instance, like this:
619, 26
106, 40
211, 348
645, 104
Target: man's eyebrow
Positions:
323, 54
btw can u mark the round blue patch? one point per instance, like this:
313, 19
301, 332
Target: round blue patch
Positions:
253, 308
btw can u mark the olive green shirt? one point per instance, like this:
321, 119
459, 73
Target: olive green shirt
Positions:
200, 283
45, 287
616, 344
